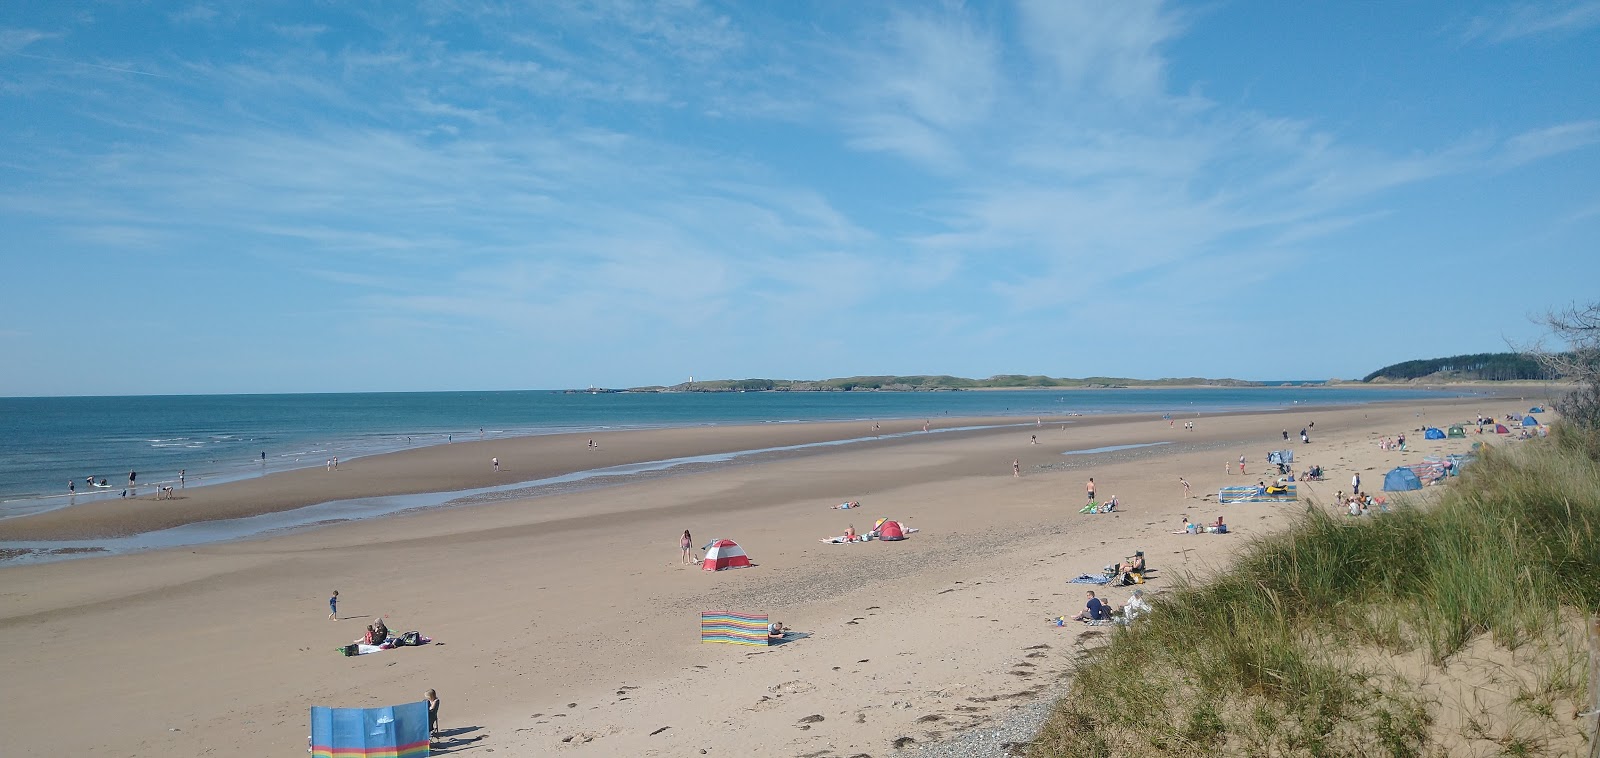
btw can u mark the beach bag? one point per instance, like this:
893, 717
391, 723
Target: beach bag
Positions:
411, 638
350, 649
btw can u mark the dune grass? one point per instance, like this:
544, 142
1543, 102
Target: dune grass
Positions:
1292, 651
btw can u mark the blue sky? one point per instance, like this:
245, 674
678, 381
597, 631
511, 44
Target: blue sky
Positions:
266, 197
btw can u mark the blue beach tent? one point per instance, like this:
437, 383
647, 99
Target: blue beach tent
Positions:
1401, 479
1536, 409
1433, 433
397, 731
1529, 421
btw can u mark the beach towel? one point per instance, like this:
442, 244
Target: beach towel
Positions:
362, 648
1088, 579
869, 537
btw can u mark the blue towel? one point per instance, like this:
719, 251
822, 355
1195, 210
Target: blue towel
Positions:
1088, 579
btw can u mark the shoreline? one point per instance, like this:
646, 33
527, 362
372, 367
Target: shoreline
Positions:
437, 475
220, 449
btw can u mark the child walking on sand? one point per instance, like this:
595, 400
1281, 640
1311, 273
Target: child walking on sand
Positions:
333, 606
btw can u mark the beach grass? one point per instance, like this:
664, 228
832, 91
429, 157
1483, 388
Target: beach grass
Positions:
1369, 636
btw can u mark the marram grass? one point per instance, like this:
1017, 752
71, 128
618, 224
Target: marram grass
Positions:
1285, 653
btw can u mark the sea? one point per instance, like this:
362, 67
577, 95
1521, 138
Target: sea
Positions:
45, 442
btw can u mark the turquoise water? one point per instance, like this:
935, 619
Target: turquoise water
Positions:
44, 442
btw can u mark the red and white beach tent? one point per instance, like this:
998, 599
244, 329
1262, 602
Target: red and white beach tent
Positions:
725, 554
890, 531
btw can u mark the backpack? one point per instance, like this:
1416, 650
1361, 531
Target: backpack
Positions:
410, 638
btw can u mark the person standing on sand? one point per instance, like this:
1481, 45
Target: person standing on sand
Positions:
433, 714
924, 426
181, 484
1185, 484
333, 606
686, 544
1355, 483
1241, 465
1016, 467
496, 463
1090, 489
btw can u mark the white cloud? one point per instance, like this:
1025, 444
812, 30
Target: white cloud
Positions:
16, 40
1524, 20
1105, 49
1536, 144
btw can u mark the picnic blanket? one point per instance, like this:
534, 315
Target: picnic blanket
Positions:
1089, 579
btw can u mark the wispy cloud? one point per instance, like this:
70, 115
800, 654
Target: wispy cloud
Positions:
694, 183
1524, 20
15, 40
1554, 140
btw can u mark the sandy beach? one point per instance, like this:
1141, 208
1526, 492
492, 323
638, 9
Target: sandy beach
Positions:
566, 623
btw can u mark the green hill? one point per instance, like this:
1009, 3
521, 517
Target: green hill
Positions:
1494, 367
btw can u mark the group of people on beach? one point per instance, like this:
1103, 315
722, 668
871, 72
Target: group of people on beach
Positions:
1097, 611
1191, 527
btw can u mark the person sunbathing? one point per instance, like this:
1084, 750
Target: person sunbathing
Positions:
777, 631
847, 505
1218, 528
380, 631
850, 533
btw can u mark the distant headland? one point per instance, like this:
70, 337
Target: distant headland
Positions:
1457, 369
939, 383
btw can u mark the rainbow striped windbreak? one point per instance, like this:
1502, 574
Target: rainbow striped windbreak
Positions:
397, 731
733, 628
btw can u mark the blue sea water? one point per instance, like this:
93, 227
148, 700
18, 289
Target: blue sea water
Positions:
44, 442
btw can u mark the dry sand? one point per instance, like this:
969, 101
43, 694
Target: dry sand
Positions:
566, 623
